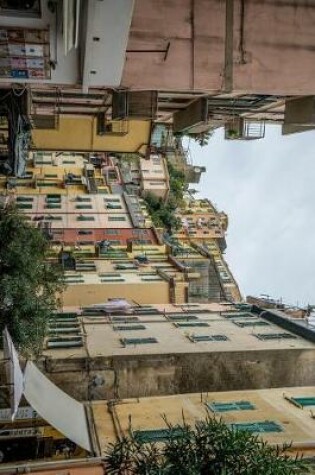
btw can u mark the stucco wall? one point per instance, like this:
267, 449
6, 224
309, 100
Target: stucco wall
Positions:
143, 293
79, 133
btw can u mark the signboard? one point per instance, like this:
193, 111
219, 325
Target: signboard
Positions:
24, 53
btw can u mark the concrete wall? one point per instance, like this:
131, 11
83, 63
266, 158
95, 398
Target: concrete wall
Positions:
79, 133
149, 375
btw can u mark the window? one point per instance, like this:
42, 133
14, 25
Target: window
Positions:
70, 342
124, 319
47, 183
85, 218
243, 306
84, 207
275, 336
152, 279
122, 328
74, 279
251, 323
230, 406
304, 401
111, 200
114, 242
53, 218
116, 218
157, 435
24, 205
52, 206
180, 318
126, 267
259, 427
113, 232
84, 232
56, 330
112, 206
204, 338
64, 316
53, 198
83, 199
236, 315
64, 331
24, 198
191, 324
138, 341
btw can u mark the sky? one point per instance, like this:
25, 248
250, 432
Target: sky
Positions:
267, 188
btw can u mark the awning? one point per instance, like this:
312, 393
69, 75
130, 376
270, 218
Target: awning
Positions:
60, 410
13, 372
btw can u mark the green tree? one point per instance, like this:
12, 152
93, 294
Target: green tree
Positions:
162, 214
28, 281
209, 448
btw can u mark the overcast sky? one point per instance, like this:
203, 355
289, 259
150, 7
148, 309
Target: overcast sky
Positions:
267, 188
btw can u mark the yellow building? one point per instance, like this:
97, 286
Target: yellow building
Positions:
279, 416
143, 274
200, 221
151, 350
204, 228
79, 133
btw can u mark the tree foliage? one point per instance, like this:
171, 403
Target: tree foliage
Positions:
162, 213
201, 138
209, 448
28, 282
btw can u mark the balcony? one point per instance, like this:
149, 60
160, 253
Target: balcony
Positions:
244, 129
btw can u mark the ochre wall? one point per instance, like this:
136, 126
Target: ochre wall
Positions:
144, 293
79, 134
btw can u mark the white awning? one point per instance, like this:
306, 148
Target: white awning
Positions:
13, 371
60, 410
